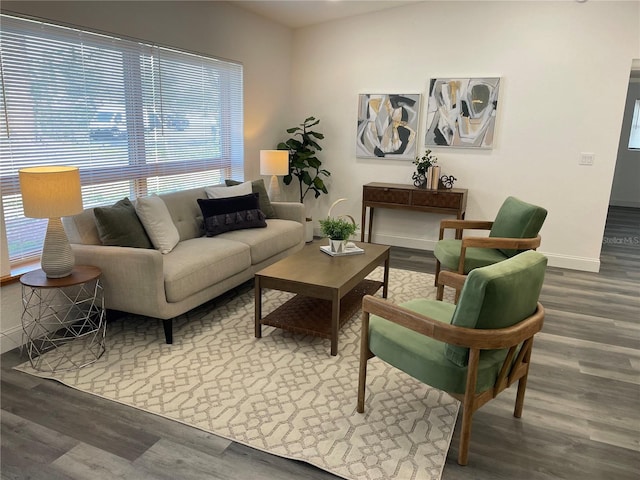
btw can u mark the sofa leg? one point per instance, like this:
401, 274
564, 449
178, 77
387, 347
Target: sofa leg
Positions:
168, 330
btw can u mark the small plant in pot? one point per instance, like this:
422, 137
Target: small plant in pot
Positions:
339, 230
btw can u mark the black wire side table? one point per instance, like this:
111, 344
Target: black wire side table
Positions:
63, 321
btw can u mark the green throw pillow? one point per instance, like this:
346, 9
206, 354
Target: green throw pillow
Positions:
257, 186
120, 226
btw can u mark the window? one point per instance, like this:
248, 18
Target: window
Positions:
135, 118
634, 137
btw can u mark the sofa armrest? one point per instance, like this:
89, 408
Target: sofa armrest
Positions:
290, 211
132, 278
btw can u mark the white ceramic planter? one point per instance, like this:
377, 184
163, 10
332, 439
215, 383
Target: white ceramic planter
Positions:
337, 246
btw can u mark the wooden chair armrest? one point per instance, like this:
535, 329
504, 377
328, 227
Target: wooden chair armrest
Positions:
460, 225
500, 242
464, 337
451, 279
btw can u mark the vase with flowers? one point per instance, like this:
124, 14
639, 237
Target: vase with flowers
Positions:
427, 172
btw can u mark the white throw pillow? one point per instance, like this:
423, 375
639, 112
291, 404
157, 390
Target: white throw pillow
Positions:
222, 191
156, 219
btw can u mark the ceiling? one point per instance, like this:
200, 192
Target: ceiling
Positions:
302, 13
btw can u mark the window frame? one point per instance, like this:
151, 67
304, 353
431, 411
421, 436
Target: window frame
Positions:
229, 163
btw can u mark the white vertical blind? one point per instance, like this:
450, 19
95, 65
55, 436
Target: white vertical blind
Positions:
135, 118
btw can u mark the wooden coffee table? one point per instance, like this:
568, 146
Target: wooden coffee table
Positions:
329, 289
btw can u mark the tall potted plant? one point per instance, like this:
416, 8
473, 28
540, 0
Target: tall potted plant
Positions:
304, 165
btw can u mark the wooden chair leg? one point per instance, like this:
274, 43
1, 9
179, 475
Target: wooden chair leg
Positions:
438, 266
465, 432
468, 405
365, 354
456, 298
522, 387
522, 383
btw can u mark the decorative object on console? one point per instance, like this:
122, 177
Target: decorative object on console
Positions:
424, 175
387, 125
446, 182
274, 163
52, 192
462, 112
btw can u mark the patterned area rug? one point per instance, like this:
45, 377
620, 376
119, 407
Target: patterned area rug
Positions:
283, 393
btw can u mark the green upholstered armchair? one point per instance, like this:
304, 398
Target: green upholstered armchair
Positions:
514, 229
472, 350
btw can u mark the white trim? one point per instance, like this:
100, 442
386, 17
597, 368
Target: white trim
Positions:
562, 261
624, 203
11, 338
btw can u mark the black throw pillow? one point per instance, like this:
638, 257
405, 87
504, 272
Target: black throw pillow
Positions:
233, 213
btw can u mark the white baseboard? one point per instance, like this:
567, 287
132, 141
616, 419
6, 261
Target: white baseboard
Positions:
583, 264
10, 339
562, 261
624, 203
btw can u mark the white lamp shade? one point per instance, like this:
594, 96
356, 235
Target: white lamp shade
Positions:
274, 162
50, 192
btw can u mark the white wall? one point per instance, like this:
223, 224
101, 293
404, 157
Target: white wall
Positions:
625, 191
564, 68
212, 28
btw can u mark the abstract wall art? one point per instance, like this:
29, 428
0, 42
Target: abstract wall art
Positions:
387, 125
461, 112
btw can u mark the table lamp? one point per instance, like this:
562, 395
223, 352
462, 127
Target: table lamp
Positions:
52, 192
274, 163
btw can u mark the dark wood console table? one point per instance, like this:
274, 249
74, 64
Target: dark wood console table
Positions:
408, 197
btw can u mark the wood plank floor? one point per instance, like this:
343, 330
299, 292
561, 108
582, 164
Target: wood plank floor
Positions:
581, 418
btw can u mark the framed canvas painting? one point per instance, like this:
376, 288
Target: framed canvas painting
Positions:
387, 125
461, 112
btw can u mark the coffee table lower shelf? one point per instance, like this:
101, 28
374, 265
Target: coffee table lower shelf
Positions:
312, 316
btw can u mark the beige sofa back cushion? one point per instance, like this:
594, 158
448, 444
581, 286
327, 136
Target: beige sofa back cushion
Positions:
185, 212
82, 228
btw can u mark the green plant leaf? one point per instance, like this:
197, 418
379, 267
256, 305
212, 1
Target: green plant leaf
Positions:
294, 129
306, 178
287, 179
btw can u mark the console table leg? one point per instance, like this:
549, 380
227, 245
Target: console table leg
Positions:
258, 307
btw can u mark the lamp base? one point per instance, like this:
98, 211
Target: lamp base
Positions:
274, 189
57, 259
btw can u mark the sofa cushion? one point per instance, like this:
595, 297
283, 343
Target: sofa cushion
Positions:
185, 212
155, 217
267, 242
234, 213
257, 186
224, 191
120, 226
198, 263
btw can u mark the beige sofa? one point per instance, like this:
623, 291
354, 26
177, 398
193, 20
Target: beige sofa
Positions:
199, 268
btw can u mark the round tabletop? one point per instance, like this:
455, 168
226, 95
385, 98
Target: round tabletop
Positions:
79, 274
